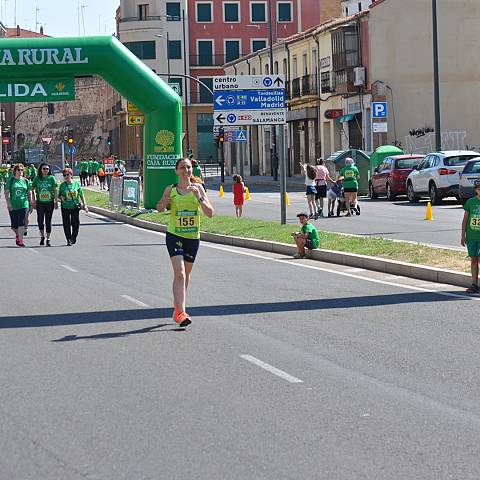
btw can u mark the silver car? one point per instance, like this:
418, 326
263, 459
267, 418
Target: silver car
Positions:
470, 173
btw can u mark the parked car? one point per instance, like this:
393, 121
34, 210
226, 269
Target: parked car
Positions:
390, 176
470, 173
438, 175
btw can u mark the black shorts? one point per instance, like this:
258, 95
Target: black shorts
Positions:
187, 247
351, 189
17, 217
321, 192
102, 179
308, 244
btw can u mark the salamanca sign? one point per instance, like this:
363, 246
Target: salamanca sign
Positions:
42, 56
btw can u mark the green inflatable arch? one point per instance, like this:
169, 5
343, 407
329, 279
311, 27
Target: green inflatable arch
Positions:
50, 58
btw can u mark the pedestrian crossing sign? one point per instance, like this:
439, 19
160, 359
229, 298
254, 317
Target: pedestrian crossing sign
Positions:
241, 135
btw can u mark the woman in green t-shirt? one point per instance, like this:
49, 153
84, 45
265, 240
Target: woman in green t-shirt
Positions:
44, 190
350, 175
70, 193
19, 201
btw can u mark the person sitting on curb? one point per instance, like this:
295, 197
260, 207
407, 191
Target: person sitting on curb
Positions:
471, 234
307, 237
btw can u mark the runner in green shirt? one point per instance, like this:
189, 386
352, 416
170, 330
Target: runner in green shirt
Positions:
307, 237
70, 194
19, 202
45, 197
471, 234
350, 175
83, 172
90, 171
95, 169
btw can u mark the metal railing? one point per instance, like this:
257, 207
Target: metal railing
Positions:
296, 87
210, 169
149, 18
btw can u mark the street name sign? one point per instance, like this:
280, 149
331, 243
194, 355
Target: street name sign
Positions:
248, 82
249, 99
250, 117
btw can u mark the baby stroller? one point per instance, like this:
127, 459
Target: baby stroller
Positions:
342, 205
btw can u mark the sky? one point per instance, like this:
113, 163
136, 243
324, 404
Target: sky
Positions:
60, 18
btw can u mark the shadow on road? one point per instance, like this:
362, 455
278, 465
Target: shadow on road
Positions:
81, 318
103, 336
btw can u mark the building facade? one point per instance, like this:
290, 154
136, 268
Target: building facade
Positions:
401, 65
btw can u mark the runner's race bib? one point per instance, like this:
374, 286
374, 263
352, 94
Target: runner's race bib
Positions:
45, 196
349, 174
475, 223
186, 222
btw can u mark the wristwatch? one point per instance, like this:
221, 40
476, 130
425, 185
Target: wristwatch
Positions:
201, 199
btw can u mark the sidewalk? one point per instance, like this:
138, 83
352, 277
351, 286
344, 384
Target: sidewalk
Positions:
294, 184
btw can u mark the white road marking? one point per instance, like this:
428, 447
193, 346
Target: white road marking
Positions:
354, 270
32, 250
432, 285
134, 300
69, 268
271, 369
326, 270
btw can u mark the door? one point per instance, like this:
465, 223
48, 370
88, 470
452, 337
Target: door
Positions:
383, 177
419, 178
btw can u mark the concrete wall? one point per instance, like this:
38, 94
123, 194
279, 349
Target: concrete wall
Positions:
401, 56
85, 115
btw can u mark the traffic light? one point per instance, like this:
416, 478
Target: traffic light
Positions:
50, 108
109, 141
70, 137
220, 136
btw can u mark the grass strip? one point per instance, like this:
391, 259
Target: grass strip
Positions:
268, 230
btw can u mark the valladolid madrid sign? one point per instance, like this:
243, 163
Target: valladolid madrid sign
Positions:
43, 69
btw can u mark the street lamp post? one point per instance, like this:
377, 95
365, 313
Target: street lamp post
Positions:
436, 80
167, 38
273, 157
185, 90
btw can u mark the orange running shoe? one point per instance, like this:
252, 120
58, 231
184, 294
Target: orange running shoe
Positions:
182, 319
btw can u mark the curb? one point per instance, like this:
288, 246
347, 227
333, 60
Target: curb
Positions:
420, 272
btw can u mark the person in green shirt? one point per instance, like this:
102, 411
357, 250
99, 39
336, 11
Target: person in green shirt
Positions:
19, 202
307, 237
471, 234
71, 196
350, 175
196, 170
90, 171
95, 169
83, 172
44, 192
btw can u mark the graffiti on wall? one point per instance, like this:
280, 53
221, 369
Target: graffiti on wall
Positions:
425, 141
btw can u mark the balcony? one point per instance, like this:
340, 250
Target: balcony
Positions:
309, 85
343, 81
296, 87
144, 19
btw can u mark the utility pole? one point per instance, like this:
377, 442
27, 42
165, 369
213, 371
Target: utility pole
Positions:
273, 133
436, 79
185, 93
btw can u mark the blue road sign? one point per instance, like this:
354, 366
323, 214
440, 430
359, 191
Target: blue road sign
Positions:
249, 99
379, 109
236, 136
72, 150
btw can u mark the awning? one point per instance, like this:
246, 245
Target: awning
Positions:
346, 118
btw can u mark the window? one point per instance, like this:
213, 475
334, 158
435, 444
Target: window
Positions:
204, 12
258, 11
205, 96
143, 11
231, 12
295, 67
267, 69
284, 12
232, 50
275, 67
174, 49
173, 11
346, 11
205, 52
258, 45
359, 6
304, 64
143, 50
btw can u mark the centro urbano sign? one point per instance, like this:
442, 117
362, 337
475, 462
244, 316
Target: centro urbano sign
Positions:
38, 91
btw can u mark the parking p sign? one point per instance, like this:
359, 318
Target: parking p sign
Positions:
379, 110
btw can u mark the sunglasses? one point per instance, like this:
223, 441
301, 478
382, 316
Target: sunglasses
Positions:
45, 168
67, 174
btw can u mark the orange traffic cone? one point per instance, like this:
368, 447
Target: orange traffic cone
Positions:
221, 193
429, 213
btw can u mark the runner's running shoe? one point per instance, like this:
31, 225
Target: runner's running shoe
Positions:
182, 319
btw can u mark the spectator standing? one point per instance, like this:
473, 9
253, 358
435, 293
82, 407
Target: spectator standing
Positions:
310, 175
350, 175
321, 185
238, 189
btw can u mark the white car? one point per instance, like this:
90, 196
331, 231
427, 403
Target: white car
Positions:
437, 175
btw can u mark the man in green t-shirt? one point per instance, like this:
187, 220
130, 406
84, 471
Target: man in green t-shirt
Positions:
471, 234
307, 237
90, 171
83, 172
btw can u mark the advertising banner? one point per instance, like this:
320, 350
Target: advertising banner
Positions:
131, 190
58, 90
